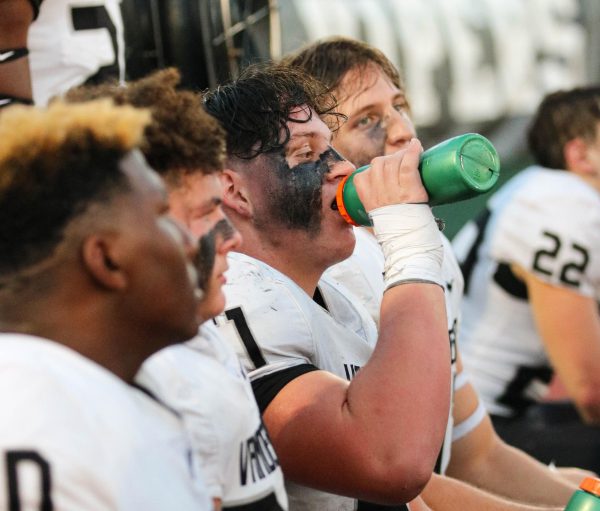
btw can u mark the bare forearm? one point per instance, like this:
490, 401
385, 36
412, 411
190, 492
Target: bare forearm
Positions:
378, 437
445, 494
412, 369
512, 473
15, 17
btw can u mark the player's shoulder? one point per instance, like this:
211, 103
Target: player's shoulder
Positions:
260, 288
552, 192
49, 385
546, 200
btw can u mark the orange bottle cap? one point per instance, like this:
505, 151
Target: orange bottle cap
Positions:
339, 199
591, 485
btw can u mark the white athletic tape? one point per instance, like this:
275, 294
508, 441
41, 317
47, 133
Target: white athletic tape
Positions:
470, 423
411, 243
460, 380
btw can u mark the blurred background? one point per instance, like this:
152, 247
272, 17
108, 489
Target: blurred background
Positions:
469, 65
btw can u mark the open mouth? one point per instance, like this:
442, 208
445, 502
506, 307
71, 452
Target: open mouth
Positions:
334, 205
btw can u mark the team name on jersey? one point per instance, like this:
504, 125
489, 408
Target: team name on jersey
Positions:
257, 457
351, 370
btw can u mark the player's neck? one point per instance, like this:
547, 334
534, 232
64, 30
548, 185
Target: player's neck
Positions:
286, 256
79, 328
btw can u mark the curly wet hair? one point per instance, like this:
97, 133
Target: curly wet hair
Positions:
55, 164
255, 108
182, 138
562, 116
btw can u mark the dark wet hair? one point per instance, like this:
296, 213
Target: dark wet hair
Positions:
255, 108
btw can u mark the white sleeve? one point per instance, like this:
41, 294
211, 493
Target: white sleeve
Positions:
180, 377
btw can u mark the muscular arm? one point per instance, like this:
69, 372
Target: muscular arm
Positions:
483, 459
569, 324
447, 493
378, 437
15, 18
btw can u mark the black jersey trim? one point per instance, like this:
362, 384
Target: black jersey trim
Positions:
515, 396
148, 393
367, 506
267, 387
239, 320
269, 503
508, 281
468, 264
319, 299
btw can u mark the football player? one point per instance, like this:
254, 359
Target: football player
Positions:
202, 379
371, 94
355, 417
94, 278
533, 284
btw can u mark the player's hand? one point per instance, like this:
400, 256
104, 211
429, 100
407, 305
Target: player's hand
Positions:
392, 179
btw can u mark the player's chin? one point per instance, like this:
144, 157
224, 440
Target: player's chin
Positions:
212, 305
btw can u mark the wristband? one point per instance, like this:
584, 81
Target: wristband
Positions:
411, 244
10, 54
7, 100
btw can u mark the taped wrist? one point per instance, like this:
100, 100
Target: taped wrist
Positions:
411, 243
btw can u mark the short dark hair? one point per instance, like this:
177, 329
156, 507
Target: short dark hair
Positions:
255, 108
182, 138
560, 117
54, 164
330, 59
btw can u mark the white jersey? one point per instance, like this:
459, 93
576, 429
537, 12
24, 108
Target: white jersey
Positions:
362, 274
548, 223
204, 381
74, 41
280, 333
74, 437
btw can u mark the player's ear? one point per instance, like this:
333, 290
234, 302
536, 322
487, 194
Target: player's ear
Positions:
576, 157
99, 260
235, 193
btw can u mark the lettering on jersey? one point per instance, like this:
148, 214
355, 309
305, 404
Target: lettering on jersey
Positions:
351, 370
21, 459
468, 264
257, 457
452, 337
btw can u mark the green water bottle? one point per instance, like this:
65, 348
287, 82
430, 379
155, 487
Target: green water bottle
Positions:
587, 498
453, 170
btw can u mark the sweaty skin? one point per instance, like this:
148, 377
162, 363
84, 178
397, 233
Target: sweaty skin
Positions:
296, 200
